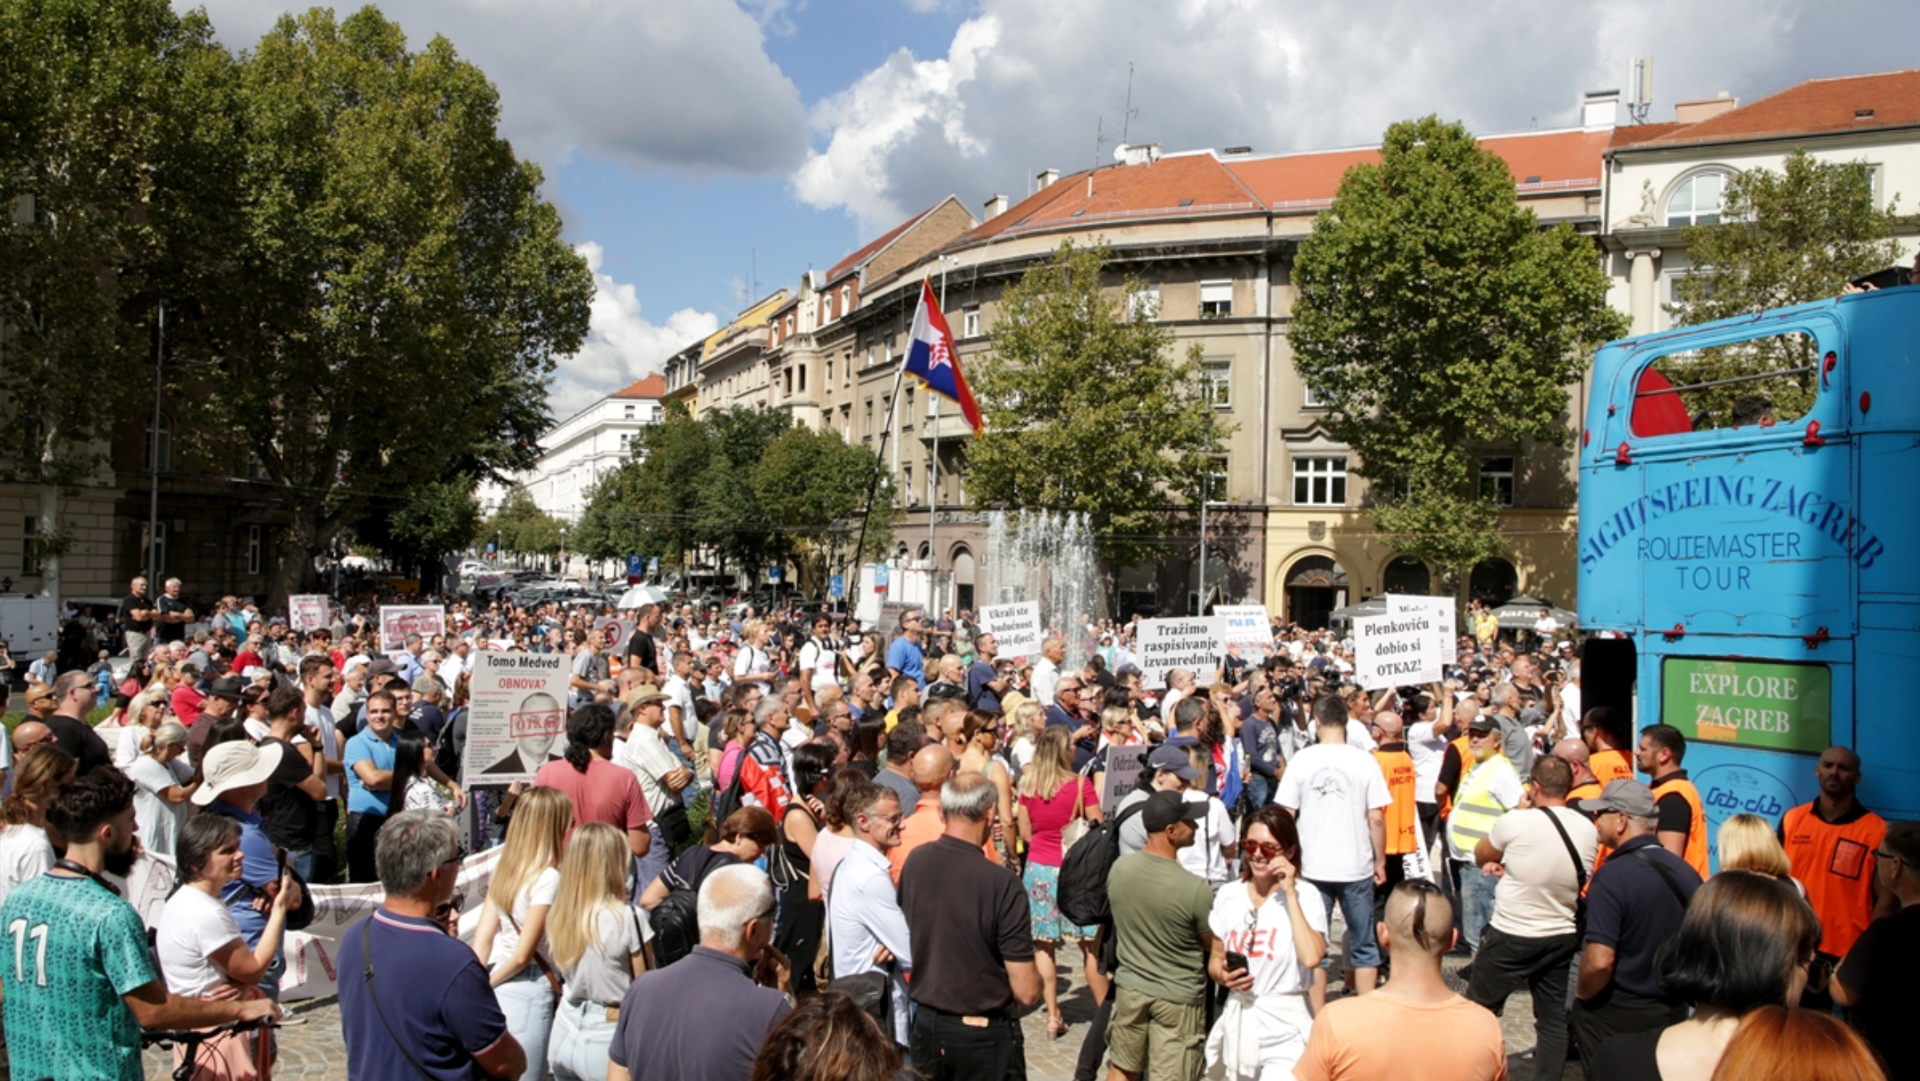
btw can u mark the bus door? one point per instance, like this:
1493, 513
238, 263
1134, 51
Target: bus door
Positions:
1728, 462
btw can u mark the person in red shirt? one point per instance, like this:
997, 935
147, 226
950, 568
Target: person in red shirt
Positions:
763, 767
601, 791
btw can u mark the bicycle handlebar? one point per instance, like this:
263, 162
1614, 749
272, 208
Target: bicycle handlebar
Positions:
194, 1036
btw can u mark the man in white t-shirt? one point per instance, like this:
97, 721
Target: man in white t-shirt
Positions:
1339, 796
1546, 854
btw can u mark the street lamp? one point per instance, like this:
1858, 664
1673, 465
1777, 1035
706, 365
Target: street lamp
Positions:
153, 479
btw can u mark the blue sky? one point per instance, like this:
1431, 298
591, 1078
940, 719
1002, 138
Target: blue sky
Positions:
691, 144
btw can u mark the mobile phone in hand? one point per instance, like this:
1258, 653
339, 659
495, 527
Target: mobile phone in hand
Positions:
1237, 962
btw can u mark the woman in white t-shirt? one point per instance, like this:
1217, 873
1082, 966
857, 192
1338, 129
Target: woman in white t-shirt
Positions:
162, 784
202, 953
25, 851
753, 664
1279, 933
513, 921
599, 945
145, 714
1213, 851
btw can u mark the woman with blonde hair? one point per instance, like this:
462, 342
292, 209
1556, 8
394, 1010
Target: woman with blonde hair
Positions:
513, 921
753, 664
1747, 843
163, 781
143, 716
599, 943
1029, 718
1052, 797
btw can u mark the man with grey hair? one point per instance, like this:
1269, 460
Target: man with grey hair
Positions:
973, 975
1046, 670
1515, 741
172, 614
424, 1008
667, 1028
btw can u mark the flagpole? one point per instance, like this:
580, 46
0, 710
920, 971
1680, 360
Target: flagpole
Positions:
933, 471
873, 488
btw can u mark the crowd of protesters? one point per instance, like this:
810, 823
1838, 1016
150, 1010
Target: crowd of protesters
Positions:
907, 836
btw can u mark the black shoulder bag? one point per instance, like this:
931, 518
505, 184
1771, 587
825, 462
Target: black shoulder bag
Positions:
366, 969
1579, 873
1645, 855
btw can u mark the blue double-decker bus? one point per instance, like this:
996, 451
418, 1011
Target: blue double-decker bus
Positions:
1749, 512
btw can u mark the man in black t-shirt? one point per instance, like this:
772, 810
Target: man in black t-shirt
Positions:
972, 943
136, 615
1876, 982
73, 696
290, 808
641, 649
173, 614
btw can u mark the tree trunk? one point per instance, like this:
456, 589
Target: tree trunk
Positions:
47, 526
300, 541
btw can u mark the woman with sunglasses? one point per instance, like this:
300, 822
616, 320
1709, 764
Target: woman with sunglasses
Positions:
1268, 938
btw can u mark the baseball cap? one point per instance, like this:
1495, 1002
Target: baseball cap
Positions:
1163, 809
227, 687
382, 667
1626, 795
1484, 722
235, 764
1172, 760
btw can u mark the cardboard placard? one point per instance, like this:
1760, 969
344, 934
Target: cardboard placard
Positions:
1246, 628
1395, 651
517, 715
307, 612
1193, 642
1015, 627
399, 620
1124, 765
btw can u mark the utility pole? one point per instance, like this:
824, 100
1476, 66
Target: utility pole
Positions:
153, 478
933, 470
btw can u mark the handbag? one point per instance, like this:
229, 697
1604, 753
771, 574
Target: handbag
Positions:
553, 978
1078, 826
675, 826
780, 865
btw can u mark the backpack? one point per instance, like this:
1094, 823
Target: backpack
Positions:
676, 926
726, 801
1082, 891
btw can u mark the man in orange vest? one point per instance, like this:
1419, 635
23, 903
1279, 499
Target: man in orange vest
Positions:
1683, 818
1403, 814
1575, 754
1831, 842
1605, 736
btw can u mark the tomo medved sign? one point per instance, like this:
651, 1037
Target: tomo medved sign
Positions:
1769, 706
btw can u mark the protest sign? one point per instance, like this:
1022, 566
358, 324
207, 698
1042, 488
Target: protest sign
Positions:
399, 620
1165, 644
307, 612
1442, 612
313, 954
1015, 627
1395, 651
517, 715
1246, 629
615, 630
1122, 777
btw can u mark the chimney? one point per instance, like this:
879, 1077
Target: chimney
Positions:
996, 206
1600, 111
1047, 177
1693, 112
1137, 155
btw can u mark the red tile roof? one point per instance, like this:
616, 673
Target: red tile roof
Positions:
653, 386
1174, 186
1815, 107
1538, 160
865, 255
1635, 134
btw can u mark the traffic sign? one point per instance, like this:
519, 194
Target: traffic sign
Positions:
836, 586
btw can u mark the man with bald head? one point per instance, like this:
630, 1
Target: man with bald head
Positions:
1831, 843
1412, 1018
1573, 751
932, 765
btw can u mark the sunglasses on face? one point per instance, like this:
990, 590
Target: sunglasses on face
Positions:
1263, 849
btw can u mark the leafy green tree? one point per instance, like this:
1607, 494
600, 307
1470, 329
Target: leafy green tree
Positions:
522, 526
1088, 409
1437, 318
732, 519
89, 91
609, 527
813, 485
379, 290
436, 520
1783, 238
669, 458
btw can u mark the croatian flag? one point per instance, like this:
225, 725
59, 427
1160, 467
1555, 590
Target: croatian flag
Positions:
931, 359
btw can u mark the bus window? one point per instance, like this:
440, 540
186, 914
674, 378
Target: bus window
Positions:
1764, 381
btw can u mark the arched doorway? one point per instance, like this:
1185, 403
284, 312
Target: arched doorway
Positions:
963, 578
1408, 576
1316, 585
1493, 582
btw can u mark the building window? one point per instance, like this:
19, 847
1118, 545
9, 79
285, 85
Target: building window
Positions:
846, 299
628, 412
1314, 398
906, 414
1216, 299
871, 349
829, 373
803, 379
906, 485
1144, 303
1496, 480
1320, 482
166, 445
970, 321
788, 381
256, 549
1216, 479
866, 427
657, 413
1697, 201
30, 547
1218, 377
625, 437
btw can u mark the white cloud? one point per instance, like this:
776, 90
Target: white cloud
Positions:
622, 347
652, 84
1025, 82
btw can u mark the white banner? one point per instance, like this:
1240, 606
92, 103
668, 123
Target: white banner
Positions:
615, 630
307, 612
1015, 628
1194, 643
399, 620
1442, 611
517, 715
1247, 628
1395, 651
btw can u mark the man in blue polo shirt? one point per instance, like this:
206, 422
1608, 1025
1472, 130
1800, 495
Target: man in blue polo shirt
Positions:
414, 1000
704, 1017
368, 759
904, 655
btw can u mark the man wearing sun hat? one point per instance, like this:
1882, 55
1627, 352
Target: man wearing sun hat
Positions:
236, 775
